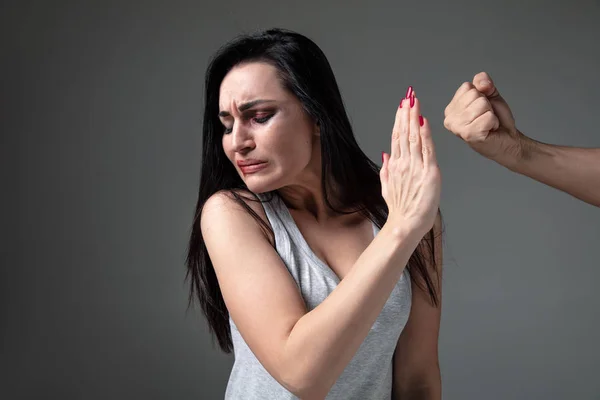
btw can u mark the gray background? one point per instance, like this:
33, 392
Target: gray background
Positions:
101, 125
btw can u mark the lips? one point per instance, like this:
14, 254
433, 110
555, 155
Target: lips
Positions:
246, 163
251, 166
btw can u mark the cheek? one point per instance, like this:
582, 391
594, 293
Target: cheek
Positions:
285, 143
296, 153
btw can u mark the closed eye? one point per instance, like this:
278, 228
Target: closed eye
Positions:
258, 120
262, 120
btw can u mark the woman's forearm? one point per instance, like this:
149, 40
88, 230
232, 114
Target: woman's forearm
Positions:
323, 342
573, 170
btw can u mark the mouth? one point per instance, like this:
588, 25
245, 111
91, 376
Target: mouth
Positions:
250, 167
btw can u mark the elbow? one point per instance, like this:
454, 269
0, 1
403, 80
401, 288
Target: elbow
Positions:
303, 374
305, 384
305, 388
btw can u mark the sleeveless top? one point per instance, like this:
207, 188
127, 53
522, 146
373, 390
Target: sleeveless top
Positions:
368, 376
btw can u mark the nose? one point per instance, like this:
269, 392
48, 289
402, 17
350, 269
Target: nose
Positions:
241, 139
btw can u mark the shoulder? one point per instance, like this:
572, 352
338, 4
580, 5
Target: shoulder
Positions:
229, 210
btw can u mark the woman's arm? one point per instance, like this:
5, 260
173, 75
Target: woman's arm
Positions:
416, 366
304, 351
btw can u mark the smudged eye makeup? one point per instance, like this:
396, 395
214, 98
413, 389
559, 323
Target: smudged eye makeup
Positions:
258, 117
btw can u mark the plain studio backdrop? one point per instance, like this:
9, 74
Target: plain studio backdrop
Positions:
101, 137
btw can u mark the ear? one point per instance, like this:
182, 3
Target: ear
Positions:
317, 129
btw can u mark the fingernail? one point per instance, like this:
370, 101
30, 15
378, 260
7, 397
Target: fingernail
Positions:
382, 158
401, 103
412, 101
485, 82
409, 92
421, 120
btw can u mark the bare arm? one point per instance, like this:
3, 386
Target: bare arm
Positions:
304, 351
573, 170
416, 366
481, 117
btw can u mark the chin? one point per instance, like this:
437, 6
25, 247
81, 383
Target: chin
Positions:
260, 184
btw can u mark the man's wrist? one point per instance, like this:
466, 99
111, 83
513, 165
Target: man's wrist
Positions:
518, 153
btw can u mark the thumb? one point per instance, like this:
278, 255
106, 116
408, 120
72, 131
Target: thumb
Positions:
484, 84
383, 173
384, 163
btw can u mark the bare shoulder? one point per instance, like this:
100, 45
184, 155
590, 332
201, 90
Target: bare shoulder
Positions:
225, 202
223, 210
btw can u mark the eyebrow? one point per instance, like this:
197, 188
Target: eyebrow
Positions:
246, 106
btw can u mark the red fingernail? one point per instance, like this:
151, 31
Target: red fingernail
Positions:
409, 92
412, 101
421, 120
382, 158
401, 103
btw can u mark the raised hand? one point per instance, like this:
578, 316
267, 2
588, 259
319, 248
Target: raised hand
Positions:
410, 176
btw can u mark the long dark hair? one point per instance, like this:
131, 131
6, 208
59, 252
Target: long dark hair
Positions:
350, 180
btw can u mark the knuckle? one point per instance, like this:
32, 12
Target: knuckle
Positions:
482, 102
447, 110
404, 129
489, 120
488, 115
472, 113
464, 132
447, 123
474, 94
403, 165
466, 85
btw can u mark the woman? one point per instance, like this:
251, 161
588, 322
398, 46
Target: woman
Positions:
300, 242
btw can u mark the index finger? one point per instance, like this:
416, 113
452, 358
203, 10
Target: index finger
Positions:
400, 131
462, 89
428, 147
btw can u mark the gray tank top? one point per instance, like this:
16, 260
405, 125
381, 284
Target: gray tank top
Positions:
368, 376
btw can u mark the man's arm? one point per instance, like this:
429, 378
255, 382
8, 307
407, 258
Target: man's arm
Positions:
483, 119
573, 170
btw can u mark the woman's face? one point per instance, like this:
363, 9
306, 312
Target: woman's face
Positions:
268, 136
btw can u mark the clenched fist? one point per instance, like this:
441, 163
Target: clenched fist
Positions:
480, 116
